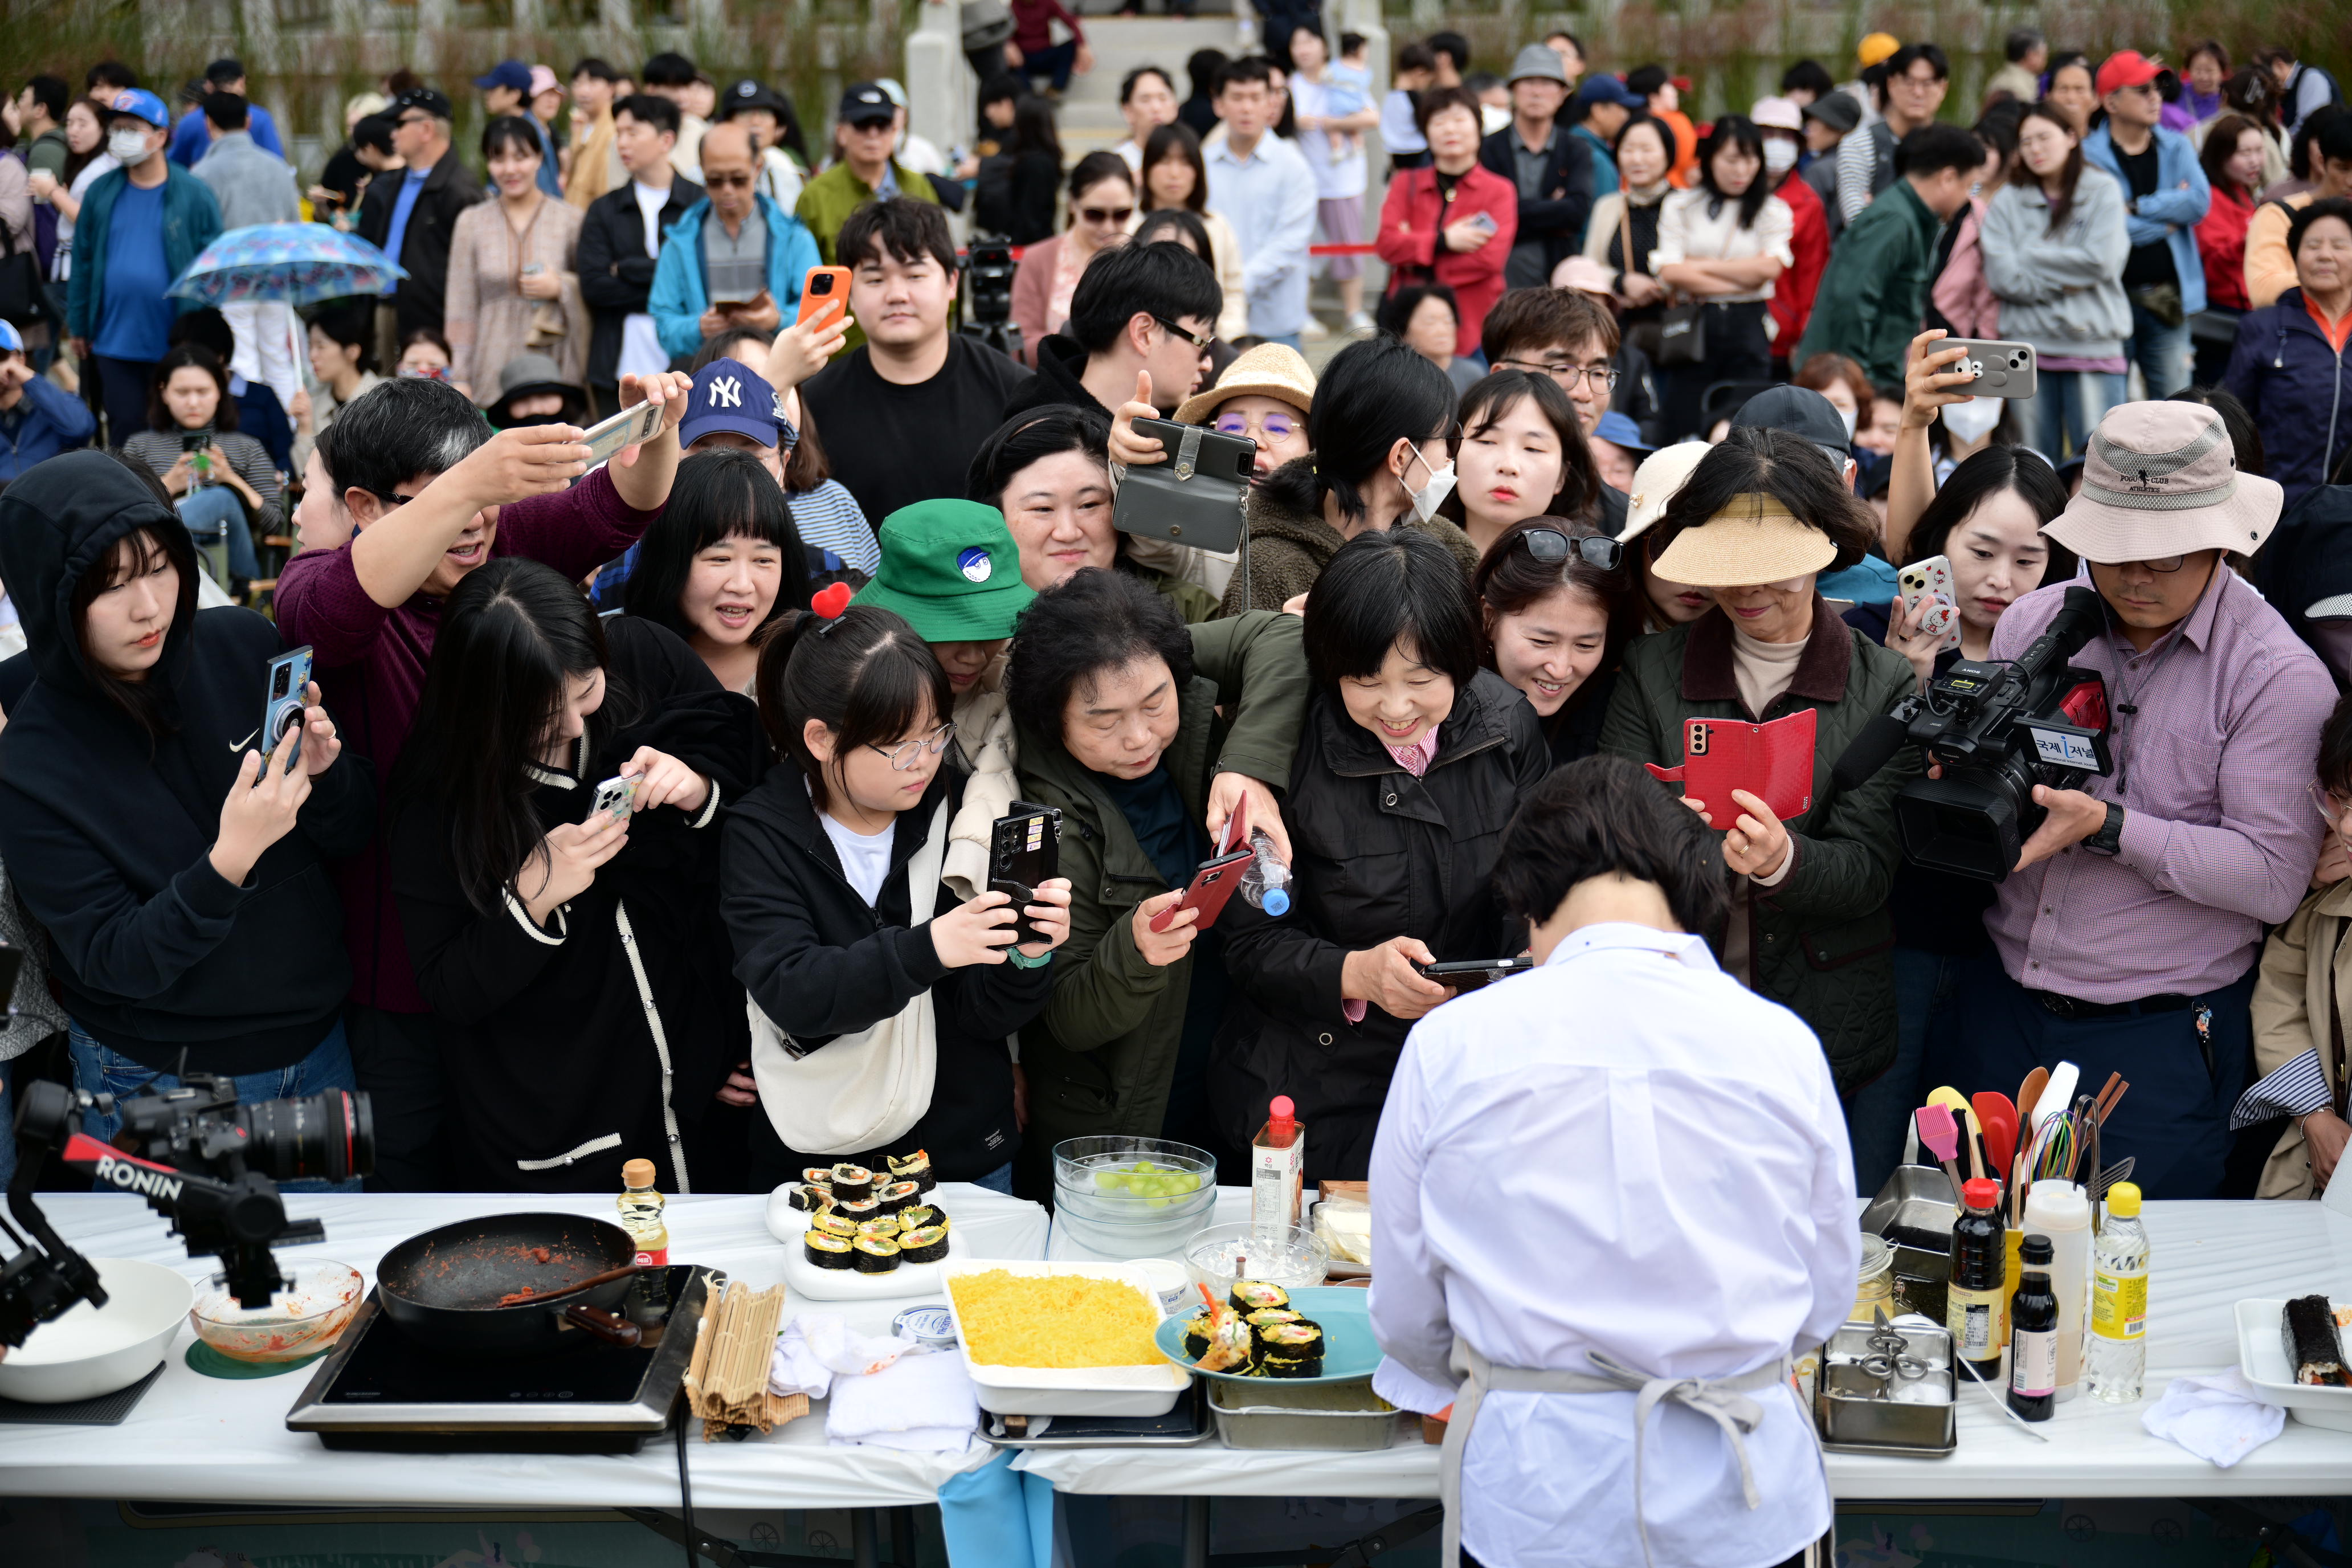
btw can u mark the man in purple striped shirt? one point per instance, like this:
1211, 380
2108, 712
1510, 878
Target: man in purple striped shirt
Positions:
2128, 935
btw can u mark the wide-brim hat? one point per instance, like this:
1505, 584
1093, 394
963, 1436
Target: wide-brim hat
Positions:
1660, 476
2161, 480
1754, 540
1269, 370
952, 569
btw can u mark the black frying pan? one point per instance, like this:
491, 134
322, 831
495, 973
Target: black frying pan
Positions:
444, 1288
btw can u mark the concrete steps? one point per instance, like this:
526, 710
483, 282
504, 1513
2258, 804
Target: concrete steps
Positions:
1088, 114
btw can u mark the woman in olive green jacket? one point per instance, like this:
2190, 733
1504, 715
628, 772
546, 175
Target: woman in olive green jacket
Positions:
1761, 516
1116, 708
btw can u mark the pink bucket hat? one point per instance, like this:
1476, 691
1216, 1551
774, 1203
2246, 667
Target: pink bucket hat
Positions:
2161, 480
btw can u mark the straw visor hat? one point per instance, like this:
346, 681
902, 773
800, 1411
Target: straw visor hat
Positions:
1753, 539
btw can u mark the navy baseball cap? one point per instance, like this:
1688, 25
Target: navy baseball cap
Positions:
865, 103
1602, 87
140, 104
507, 73
730, 395
430, 99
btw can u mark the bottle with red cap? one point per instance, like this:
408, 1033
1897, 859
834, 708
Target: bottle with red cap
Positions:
1979, 1263
1278, 1166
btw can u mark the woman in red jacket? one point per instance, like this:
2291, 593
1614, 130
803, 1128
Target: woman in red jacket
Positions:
2232, 161
1451, 222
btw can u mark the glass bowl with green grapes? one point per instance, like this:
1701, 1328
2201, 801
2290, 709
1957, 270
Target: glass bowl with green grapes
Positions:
1133, 1181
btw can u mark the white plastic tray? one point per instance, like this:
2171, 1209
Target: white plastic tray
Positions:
1082, 1390
2262, 1357
809, 1282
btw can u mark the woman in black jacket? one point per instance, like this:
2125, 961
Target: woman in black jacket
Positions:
572, 954
1557, 606
820, 899
181, 875
1413, 761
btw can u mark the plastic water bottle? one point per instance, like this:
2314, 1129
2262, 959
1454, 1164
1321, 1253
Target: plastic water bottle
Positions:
2119, 1300
1266, 884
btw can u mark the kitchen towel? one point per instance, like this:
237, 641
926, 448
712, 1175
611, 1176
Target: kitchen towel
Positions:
2221, 1419
923, 1403
816, 1347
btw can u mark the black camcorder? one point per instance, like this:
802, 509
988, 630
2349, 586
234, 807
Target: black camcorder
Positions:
988, 269
1994, 731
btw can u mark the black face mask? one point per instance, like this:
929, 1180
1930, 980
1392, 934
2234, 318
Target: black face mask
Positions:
520, 420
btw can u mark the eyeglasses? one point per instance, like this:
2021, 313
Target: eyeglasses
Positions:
1550, 546
2330, 805
726, 182
2165, 565
1105, 214
1272, 427
1201, 341
1568, 375
906, 753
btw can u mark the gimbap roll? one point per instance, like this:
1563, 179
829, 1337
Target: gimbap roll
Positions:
1262, 1321
810, 1200
855, 1210
1292, 1350
832, 1223
2315, 1352
886, 1227
920, 1217
852, 1182
1197, 1334
875, 1254
897, 1195
916, 1168
826, 1251
1255, 1296
817, 1175
927, 1245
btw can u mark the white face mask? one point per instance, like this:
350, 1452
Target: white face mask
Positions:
1431, 496
1779, 155
1972, 421
128, 147
1849, 418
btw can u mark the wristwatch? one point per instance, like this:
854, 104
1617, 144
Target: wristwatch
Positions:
2109, 838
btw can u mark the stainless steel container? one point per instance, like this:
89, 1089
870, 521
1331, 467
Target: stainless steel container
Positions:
1857, 1410
1346, 1417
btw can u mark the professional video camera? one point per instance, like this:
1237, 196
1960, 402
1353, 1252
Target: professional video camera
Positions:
1996, 731
988, 299
201, 1160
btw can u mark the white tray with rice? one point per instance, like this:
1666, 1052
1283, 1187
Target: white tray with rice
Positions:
1096, 1324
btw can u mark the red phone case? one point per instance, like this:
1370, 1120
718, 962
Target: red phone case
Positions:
1212, 884
1774, 762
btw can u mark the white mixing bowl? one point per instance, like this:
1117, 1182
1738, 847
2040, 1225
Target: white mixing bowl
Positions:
92, 1351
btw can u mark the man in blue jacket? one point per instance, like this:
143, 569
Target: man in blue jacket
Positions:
36, 420
191, 140
734, 258
139, 227
2167, 193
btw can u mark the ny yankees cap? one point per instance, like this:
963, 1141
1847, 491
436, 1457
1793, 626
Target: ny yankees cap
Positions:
730, 395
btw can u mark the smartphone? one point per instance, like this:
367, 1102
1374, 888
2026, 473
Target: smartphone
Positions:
197, 440
1024, 848
825, 291
2001, 369
1484, 220
1471, 974
606, 438
1932, 580
281, 707
1212, 884
617, 795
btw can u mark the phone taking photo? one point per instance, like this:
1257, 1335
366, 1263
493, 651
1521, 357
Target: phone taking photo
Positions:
607, 437
1024, 848
281, 709
823, 292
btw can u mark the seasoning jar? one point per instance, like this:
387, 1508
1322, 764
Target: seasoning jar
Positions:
1875, 1286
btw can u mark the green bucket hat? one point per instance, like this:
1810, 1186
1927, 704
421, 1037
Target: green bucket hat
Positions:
952, 569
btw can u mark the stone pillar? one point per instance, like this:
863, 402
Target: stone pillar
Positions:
939, 83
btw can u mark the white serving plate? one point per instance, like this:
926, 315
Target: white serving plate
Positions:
809, 1282
1078, 1391
92, 1351
2262, 1357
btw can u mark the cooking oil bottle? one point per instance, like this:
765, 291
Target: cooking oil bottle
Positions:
640, 1203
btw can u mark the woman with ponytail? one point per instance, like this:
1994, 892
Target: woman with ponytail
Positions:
881, 1000
572, 953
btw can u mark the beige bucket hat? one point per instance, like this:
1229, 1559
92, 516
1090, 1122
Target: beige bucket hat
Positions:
1756, 539
1661, 473
2161, 480
1269, 370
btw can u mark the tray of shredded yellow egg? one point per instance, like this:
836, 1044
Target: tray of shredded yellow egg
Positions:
1061, 1339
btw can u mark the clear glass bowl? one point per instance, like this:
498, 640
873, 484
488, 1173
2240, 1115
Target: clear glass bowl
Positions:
1290, 1255
1133, 1180
308, 1316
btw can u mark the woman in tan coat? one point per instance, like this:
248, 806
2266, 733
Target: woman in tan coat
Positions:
2304, 988
513, 283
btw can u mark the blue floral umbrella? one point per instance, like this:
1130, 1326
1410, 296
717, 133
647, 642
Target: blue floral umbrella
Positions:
297, 263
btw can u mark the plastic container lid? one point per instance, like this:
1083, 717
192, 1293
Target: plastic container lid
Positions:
2122, 1200
1980, 1194
1282, 1110
2035, 1249
638, 1174
1277, 901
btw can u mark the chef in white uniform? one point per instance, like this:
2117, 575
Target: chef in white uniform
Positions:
1610, 1198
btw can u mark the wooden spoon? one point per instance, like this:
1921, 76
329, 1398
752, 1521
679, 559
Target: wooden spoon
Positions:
522, 1298
2028, 1094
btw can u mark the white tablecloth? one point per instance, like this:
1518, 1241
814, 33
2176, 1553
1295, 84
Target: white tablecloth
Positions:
197, 1438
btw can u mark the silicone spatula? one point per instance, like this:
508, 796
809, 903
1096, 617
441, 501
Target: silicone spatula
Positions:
1941, 1134
1998, 1117
1971, 1154
2058, 1097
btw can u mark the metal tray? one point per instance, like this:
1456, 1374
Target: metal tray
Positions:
1864, 1425
1183, 1427
1914, 1212
1346, 1417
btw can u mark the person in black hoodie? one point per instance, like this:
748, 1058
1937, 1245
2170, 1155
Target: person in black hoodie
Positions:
616, 253
820, 869
1139, 310
180, 874
571, 954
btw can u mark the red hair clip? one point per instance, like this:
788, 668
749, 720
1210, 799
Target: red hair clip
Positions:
830, 602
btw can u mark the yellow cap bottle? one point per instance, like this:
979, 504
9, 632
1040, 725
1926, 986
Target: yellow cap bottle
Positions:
2122, 1200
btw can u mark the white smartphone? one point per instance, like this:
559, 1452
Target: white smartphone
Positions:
617, 795
1484, 220
630, 426
1932, 580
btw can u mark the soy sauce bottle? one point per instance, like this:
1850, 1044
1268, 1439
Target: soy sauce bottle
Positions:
2033, 1335
1973, 1301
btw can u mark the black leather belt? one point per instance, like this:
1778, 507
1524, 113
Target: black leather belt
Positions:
2059, 1006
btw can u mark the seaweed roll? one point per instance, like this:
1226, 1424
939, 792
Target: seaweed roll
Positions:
897, 1195
1262, 1321
1197, 1335
927, 1246
826, 1251
920, 1217
855, 1210
852, 1182
833, 1224
886, 1227
916, 1168
810, 1200
875, 1253
1255, 1296
1292, 1350
2315, 1352
817, 1175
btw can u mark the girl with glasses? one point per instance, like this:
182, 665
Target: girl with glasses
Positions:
841, 924
573, 953
1102, 214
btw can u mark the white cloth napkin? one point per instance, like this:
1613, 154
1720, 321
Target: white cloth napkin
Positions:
816, 1346
923, 1403
2221, 1419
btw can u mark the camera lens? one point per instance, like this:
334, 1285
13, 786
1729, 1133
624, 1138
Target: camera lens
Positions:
330, 1134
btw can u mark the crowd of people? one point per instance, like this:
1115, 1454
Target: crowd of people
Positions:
1637, 430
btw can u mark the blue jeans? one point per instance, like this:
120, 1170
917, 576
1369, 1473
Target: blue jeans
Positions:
100, 1070
2160, 352
2067, 405
1054, 61
1000, 1180
1927, 1001
214, 514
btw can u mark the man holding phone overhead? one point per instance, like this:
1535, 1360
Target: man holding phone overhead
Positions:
735, 258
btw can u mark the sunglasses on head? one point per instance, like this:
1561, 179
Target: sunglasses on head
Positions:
1550, 546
